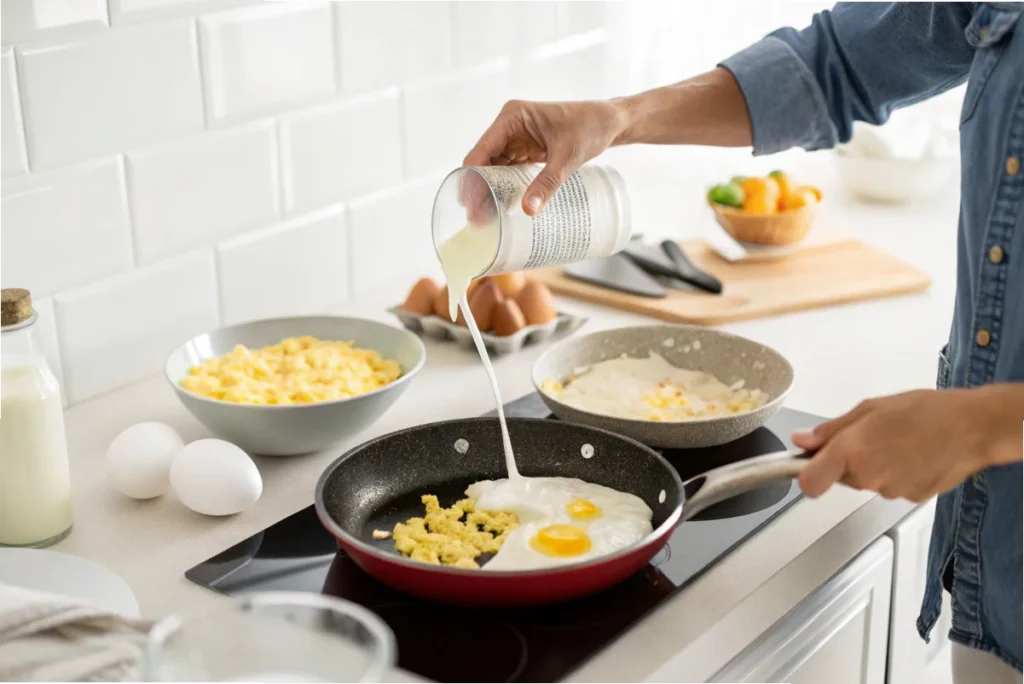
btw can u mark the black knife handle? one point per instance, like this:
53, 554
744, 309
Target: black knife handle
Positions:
688, 271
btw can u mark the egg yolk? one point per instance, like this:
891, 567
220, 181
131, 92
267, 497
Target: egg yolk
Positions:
581, 509
561, 541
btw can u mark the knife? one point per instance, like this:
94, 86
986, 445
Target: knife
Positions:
688, 271
678, 266
616, 272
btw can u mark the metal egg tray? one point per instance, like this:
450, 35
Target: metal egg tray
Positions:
439, 328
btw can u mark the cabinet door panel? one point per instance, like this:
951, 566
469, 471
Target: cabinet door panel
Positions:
839, 634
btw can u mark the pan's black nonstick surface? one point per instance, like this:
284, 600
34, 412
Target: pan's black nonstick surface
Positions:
380, 483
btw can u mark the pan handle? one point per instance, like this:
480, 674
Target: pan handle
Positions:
722, 483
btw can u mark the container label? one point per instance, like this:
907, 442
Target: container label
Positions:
566, 231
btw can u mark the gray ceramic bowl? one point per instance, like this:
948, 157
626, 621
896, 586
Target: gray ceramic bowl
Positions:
299, 429
727, 357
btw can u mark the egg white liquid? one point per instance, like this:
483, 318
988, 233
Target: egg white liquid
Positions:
464, 256
624, 519
620, 387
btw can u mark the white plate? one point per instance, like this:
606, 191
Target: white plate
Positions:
72, 576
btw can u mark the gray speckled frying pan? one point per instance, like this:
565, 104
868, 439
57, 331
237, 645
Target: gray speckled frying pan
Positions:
727, 357
379, 483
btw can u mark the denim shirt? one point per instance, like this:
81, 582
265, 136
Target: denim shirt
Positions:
858, 62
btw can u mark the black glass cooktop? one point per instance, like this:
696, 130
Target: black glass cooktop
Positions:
450, 644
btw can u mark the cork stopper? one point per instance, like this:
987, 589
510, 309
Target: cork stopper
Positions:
15, 306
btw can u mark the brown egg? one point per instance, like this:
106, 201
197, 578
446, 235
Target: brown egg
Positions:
441, 304
483, 302
508, 318
536, 304
421, 297
510, 283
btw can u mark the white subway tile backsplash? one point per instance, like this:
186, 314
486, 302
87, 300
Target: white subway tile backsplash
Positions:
298, 267
196, 190
120, 89
169, 165
484, 30
35, 19
383, 44
12, 139
580, 16
121, 330
127, 11
264, 58
46, 338
65, 228
445, 117
335, 152
390, 234
575, 68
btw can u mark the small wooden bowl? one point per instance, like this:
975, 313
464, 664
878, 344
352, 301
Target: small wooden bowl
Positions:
785, 228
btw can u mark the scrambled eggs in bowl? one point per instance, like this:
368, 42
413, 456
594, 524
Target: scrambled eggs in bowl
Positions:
297, 370
294, 385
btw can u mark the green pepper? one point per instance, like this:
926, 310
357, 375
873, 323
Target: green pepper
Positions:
729, 194
776, 173
738, 180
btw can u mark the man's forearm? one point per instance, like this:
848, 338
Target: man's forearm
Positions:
706, 110
1003, 406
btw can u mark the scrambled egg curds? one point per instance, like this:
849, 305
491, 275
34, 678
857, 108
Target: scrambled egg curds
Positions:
297, 370
442, 537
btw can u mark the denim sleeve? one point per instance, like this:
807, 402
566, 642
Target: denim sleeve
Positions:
857, 62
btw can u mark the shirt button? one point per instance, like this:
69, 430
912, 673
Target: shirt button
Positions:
995, 255
983, 338
1012, 165
983, 33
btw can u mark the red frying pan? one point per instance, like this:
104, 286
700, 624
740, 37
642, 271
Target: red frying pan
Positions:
380, 483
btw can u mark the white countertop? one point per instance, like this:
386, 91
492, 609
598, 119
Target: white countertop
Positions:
841, 355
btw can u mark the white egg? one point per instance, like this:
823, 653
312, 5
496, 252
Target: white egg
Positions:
138, 460
214, 477
599, 520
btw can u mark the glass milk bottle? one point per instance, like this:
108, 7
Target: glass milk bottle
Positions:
35, 484
480, 228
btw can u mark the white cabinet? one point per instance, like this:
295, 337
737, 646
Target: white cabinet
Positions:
909, 655
839, 634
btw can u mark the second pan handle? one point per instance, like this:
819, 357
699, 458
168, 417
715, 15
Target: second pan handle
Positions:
726, 482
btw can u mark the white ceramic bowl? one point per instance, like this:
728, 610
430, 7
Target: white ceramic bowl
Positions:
894, 181
301, 428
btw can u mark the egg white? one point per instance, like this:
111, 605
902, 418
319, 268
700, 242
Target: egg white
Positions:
625, 519
652, 389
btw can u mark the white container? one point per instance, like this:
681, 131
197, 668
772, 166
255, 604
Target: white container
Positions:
895, 181
588, 217
35, 483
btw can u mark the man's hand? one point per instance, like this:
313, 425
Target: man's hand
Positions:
917, 444
561, 135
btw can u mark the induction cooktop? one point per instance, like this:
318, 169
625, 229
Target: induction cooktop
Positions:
451, 644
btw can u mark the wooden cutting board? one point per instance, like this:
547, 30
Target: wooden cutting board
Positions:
812, 277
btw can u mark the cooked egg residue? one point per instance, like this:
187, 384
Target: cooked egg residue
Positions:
561, 520
652, 389
297, 370
525, 523
454, 536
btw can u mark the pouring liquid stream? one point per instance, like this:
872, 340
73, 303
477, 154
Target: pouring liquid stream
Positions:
465, 255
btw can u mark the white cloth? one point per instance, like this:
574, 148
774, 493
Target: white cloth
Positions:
971, 666
45, 637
